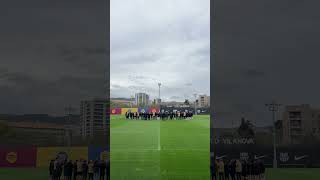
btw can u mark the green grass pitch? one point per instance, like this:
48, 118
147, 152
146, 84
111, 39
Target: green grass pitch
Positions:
24, 174
293, 174
171, 149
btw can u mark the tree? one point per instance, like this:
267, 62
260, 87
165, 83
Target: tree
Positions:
278, 125
279, 130
4, 129
118, 105
186, 102
246, 128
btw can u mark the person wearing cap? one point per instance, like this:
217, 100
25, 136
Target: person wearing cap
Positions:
221, 169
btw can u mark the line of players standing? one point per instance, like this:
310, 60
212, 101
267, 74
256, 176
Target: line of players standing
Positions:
79, 170
237, 170
160, 115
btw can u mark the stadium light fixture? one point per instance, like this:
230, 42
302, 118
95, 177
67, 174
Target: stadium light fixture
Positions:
274, 107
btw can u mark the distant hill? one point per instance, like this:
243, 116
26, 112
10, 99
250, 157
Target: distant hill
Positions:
121, 98
74, 119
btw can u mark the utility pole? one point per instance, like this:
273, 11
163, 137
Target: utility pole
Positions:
159, 97
274, 107
68, 111
159, 84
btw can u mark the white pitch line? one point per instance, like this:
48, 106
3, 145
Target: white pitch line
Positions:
159, 140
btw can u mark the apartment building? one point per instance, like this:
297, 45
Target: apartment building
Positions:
94, 117
300, 122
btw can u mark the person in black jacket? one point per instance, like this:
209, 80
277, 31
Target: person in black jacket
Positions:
96, 170
108, 169
51, 168
262, 169
68, 168
244, 172
84, 170
75, 170
55, 173
60, 166
232, 167
212, 172
226, 170
102, 169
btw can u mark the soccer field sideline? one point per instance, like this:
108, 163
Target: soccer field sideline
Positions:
272, 174
175, 160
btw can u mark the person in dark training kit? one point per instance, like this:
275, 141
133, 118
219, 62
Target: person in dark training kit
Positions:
226, 170
233, 169
60, 166
263, 170
102, 170
96, 170
84, 170
79, 170
74, 167
90, 169
213, 172
108, 169
127, 115
51, 169
68, 168
56, 169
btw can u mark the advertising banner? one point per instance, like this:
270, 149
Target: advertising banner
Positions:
124, 110
154, 110
18, 156
143, 110
46, 154
115, 111
98, 153
295, 157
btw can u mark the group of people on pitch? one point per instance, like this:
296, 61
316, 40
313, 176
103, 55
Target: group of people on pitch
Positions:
79, 170
237, 170
161, 115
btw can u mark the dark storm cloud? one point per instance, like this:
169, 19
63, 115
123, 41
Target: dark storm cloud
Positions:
83, 51
264, 50
252, 73
53, 53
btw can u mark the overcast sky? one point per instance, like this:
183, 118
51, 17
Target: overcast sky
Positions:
160, 41
52, 53
264, 50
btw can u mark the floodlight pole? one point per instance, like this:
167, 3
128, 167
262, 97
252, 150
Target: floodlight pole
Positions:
195, 104
274, 107
68, 110
159, 101
159, 84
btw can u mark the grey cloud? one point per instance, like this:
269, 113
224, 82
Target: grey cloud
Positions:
82, 51
54, 52
169, 49
278, 42
175, 97
116, 86
253, 73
